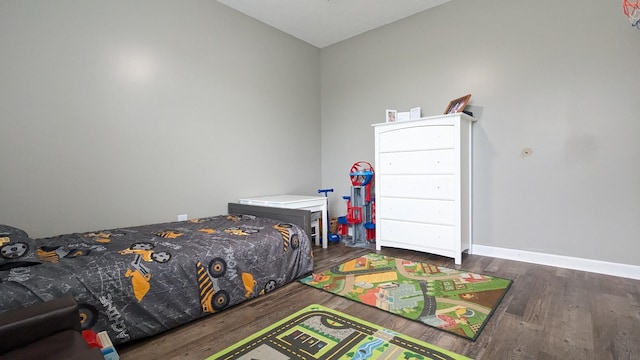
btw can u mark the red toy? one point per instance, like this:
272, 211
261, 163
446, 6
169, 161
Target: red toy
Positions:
360, 207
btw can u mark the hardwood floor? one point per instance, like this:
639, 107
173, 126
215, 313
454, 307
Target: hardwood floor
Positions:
549, 313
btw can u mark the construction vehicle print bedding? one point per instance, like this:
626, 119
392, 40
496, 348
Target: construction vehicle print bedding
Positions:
139, 281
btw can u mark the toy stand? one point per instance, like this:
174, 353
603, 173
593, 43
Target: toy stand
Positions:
360, 218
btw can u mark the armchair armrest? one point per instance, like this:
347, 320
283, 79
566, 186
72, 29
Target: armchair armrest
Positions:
23, 326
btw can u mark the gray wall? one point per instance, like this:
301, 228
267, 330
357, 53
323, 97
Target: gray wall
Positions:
120, 113
117, 113
558, 77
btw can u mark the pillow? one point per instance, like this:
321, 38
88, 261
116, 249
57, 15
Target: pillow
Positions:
6, 230
16, 249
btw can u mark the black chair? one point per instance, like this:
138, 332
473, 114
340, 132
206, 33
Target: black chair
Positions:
47, 330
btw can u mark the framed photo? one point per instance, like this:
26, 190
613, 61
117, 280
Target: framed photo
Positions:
457, 105
392, 115
403, 116
416, 113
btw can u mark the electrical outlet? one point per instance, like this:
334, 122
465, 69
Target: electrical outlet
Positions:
182, 217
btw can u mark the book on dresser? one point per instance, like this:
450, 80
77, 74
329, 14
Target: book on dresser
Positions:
423, 184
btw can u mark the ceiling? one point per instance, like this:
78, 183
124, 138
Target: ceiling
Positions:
325, 22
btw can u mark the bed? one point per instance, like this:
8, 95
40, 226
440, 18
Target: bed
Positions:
139, 281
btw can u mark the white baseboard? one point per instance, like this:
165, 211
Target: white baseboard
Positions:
567, 262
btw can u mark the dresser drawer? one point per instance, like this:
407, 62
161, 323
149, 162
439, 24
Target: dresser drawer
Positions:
417, 186
440, 212
418, 162
417, 234
417, 138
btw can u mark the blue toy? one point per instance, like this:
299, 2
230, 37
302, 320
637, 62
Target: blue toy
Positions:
331, 237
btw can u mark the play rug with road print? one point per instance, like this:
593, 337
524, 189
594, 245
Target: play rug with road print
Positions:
455, 301
317, 332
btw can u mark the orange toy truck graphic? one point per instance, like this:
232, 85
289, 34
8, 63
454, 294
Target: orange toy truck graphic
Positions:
145, 250
140, 275
53, 254
239, 231
140, 278
287, 237
168, 234
212, 298
249, 284
102, 237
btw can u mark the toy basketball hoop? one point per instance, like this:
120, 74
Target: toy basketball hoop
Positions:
631, 8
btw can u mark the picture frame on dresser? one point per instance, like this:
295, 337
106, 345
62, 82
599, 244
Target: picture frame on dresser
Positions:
391, 115
415, 113
457, 105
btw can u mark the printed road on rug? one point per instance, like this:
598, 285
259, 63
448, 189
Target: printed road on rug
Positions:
455, 301
317, 332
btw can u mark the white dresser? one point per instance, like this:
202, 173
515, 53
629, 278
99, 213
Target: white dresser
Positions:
423, 184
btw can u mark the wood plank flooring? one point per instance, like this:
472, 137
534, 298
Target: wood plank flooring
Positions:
549, 313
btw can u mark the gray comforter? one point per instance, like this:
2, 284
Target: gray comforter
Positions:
139, 281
